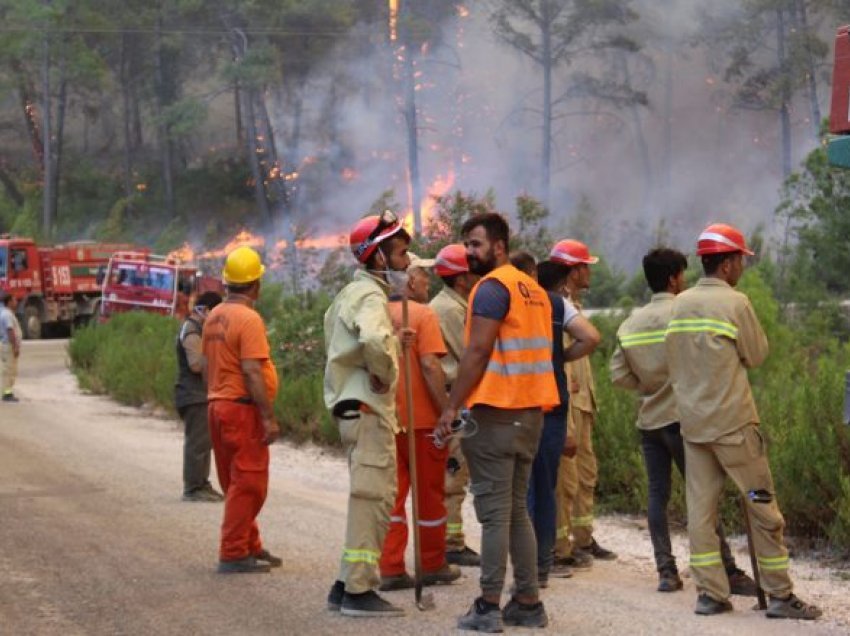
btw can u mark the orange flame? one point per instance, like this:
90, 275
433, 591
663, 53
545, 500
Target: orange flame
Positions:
393, 20
183, 254
441, 186
244, 237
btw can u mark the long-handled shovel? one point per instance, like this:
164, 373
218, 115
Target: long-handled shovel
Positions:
423, 601
757, 496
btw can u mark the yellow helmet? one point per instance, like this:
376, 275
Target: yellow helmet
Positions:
242, 266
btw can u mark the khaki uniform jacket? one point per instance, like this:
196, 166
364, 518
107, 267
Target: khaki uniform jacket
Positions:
712, 339
580, 372
640, 362
359, 341
450, 308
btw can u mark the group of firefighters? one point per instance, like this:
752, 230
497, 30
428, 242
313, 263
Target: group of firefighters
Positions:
493, 380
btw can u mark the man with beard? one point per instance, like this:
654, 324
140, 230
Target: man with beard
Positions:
506, 379
359, 390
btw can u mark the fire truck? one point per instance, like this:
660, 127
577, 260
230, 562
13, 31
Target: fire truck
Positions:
56, 287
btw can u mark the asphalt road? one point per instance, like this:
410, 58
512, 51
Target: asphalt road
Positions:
94, 539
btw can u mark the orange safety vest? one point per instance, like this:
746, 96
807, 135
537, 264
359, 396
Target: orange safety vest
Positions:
519, 374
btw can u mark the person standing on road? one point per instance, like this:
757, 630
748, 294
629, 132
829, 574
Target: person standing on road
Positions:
190, 399
575, 546
639, 363
506, 378
10, 344
450, 304
241, 386
428, 384
359, 390
713, 337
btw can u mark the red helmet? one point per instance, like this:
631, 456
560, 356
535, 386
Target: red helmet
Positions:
571, 252
451, 260
719, 238
369, 231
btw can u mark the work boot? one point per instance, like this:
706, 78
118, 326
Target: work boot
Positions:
268, 557
542, 580
206, 494
465, 558
669, 581
740, 584
561, 571
445, 575
10, 397
577, 560
401, 581
482, 617
792, 607
247, 565
596, 551
335, 596
707, 606
368, 604
522, 615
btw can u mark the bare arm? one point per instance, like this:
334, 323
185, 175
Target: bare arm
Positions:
253, 374
586, 338
435, 379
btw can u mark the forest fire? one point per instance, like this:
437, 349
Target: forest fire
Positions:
183, 254
441, 186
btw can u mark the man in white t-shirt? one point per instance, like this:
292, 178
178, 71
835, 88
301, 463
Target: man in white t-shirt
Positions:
10, 345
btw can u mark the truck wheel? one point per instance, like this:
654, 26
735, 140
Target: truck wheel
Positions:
32, 323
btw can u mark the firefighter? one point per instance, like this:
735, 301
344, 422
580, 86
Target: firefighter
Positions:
712, 339
575, 546
359, 391
639, 363
428, 388
190, 399
450, 304
10, 345
241, 386
506, 378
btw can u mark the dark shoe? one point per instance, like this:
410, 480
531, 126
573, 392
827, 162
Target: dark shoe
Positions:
203, 495
597, 552
482, 617
335, 596
792, 607
368, 604
542, 580
446, 574
707, 606
401, 581
561, 571
577, 561
466, 558
521, 615
10, 397
740, 584
669, 581
242, 566
268, 557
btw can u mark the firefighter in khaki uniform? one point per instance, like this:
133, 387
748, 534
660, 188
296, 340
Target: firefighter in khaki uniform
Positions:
450, 305
577, 473
359, 390
712, 339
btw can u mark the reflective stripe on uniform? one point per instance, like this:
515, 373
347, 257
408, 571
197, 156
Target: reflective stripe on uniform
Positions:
642, 338
454, 528
524, 344
431, 523
519, 368
773, 563
586, 520
563, 532
703, 325
361, 556
705, 560
398, 520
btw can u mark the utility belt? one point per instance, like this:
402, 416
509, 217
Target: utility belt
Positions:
240, 400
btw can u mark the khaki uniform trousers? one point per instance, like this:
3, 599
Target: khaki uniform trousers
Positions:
576, 484
373, 483
9, 368
740, 455
456, 483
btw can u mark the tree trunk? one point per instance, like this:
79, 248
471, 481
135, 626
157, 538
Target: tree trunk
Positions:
237, 113
785, 105
47, 153
9, 184
165, 146
61, 109
28, 100
127, 115
546, 57
667, 184
811, 77
256, 172
411, 126
640, 138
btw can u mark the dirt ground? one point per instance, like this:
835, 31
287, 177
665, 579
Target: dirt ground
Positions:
94, 539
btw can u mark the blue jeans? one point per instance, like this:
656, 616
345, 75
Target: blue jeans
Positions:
541, 486
661, 448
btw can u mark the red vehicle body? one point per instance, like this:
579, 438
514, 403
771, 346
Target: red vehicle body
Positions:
57, 286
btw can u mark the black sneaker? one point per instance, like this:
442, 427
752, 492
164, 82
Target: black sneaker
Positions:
577, 560
465, 558
792, 607
707, 606
521, 615
741, 584
597, 551
368, 604
248, 565
10, 397
335, 596
268, 557
669, 581
482, 617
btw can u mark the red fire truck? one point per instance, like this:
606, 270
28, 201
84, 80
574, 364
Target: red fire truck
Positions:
56, 286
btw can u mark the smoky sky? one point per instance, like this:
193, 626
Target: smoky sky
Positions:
479, 122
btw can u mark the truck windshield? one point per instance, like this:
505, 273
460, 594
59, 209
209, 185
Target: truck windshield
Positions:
158, 278
4, 259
